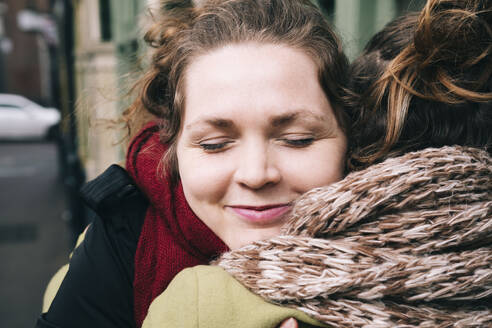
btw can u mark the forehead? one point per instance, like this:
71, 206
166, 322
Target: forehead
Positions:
248, 58
252, 76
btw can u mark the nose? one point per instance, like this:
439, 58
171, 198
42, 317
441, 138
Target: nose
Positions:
257, 168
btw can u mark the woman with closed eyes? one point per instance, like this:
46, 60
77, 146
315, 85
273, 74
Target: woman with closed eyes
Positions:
246, 115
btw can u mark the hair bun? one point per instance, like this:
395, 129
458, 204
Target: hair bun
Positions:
454, 32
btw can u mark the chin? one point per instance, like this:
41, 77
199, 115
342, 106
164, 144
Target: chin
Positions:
235, 243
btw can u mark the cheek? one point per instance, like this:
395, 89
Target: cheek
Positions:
321, 166
203, 179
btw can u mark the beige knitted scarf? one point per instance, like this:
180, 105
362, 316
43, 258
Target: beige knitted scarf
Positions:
404, 243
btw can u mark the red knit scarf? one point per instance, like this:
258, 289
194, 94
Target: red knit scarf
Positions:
173, 237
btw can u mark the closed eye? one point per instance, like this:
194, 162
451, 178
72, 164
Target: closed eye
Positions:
211, 147
299, 142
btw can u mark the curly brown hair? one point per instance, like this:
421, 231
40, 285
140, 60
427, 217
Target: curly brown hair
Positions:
183, 32
424, 81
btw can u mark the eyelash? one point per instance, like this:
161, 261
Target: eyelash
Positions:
296, 143
213, 147
299, 143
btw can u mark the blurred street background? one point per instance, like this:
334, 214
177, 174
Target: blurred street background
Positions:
34, 241
64, 68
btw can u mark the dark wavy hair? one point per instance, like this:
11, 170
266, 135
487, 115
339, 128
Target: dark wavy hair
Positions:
424, 81
183, 32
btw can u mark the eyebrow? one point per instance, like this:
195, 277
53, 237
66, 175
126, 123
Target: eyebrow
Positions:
219, 123
300, 115
277, 121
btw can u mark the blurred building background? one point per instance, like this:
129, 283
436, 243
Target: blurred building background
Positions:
28, 40
105, 51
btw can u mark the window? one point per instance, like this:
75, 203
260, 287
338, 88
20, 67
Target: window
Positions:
105, 20
327, 7
9, 106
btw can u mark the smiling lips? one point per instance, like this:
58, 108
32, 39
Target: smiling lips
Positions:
261, 214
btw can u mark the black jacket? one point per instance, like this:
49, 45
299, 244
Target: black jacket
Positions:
98, 288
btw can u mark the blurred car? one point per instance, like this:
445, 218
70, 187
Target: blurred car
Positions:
20, 118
